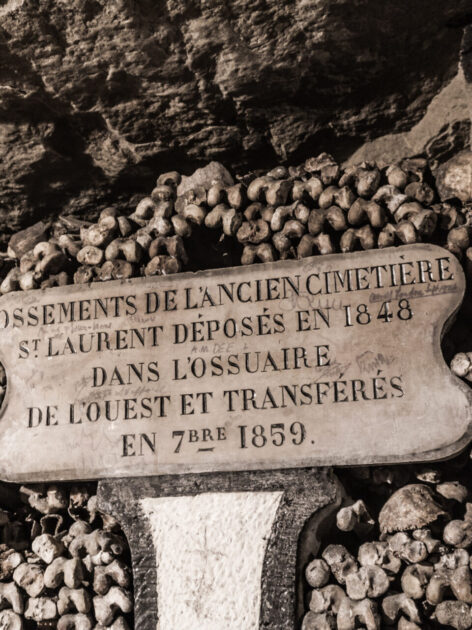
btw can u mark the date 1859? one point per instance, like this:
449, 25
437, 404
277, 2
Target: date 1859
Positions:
276, 434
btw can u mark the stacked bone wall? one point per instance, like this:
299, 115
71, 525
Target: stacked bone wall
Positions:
397, 552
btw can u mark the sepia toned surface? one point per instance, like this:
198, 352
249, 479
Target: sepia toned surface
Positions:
196, 556
327, 360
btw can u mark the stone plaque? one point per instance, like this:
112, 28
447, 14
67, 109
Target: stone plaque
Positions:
326, 360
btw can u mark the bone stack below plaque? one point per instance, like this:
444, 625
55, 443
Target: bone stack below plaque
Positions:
63, 564
401, 555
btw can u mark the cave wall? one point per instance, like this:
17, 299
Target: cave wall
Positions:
98, 96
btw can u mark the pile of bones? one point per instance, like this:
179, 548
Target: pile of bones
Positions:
399, 555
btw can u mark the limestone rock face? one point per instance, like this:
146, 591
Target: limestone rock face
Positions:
97, 96
454, 177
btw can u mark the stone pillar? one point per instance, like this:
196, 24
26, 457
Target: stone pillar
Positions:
220, 550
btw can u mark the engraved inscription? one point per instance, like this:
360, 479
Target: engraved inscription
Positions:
328, 360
